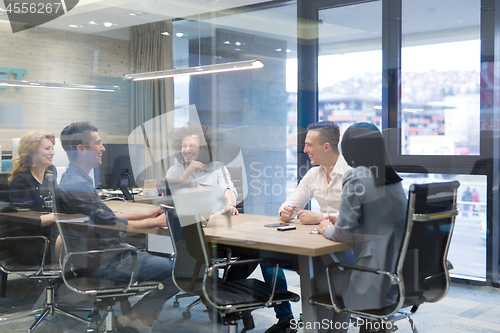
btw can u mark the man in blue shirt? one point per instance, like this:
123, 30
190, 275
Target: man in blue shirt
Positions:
105, 229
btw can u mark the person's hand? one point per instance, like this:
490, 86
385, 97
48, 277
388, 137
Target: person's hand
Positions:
308, 217
332, 218
325, 223
287, 213
193, 167
160, 220
231, 208
154, 213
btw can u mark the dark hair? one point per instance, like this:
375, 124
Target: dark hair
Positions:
199, 130
328, 132
76, 134
363, 145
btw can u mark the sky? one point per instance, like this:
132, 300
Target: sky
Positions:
440, 57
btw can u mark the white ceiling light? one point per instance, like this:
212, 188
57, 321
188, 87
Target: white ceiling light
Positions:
92, 23
108, 24
135, 13
227, 42
75, 25
207, 69
237, 43
179, 34
279, 50
165, 33
29, 84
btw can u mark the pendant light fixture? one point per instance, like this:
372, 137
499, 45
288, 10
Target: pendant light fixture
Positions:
198, 70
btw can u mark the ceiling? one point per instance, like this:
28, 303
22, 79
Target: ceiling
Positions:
360, 23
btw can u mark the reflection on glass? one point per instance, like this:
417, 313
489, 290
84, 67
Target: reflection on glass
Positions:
468, 244
440, 78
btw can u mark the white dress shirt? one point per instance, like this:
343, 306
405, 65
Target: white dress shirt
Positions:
214, 173
315, 184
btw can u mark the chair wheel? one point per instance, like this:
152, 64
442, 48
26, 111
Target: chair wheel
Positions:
186, 315
176, 304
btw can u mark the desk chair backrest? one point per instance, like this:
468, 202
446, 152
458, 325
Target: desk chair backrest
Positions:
431, 216
191, 251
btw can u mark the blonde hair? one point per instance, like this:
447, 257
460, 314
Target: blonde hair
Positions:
27, 145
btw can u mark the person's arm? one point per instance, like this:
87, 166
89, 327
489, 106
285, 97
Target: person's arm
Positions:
140, 216
342, 228
20, 190
230, 202
299, 198
47, 219
193, 167
308, 217
226, 185
149, 223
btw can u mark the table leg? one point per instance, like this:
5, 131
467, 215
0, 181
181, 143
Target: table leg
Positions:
306, 272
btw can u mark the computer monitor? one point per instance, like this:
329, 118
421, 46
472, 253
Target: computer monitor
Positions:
116, 168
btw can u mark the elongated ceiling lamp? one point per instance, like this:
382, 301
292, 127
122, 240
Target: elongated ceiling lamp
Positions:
31, 84
206, 69
36, 84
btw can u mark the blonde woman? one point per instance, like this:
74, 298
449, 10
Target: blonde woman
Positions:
28, 186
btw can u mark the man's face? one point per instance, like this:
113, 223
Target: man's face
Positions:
190, 148
94, 150
313, 148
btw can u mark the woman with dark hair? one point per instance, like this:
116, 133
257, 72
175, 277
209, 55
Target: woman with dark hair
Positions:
193, 150
372, 216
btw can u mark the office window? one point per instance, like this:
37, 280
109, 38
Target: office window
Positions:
350, 64
440, 77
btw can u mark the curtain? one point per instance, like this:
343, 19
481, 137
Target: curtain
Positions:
152, 99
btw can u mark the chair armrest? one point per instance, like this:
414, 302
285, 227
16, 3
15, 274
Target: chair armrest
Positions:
44, 247
393, 277
133, 251
210, 271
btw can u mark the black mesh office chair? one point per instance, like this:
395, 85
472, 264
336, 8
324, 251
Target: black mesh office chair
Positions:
105, 292
37, 269
195, 272
421, 273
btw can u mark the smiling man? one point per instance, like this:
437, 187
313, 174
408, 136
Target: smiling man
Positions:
76, 195
323, 182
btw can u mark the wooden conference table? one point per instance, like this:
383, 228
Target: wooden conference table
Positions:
248, 231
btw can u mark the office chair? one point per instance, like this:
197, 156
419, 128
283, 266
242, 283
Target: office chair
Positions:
105, 292
194, 272
421, 273
236, 172
49, 273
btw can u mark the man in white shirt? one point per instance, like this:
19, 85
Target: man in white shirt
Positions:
325, 184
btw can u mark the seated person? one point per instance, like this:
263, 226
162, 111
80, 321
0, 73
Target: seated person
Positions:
373, 203
193, 151
325, 184
30, 189
76, 195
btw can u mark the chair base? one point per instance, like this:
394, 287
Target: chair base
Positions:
50, 308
